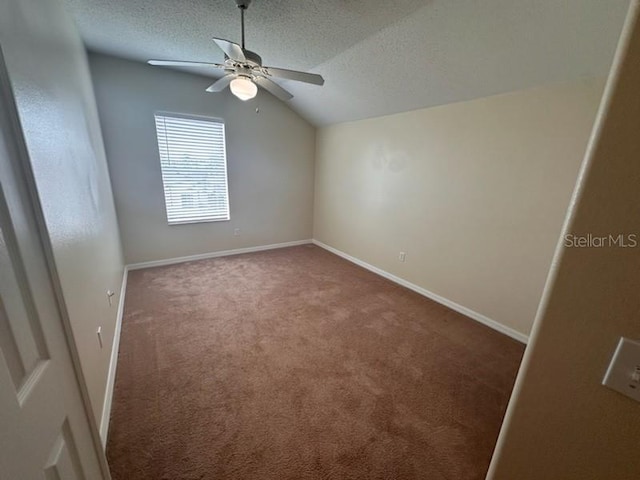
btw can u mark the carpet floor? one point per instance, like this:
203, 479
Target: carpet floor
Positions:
296, 364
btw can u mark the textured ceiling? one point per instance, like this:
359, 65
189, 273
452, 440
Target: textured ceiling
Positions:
378, 57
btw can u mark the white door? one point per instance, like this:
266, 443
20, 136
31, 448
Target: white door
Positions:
44, 426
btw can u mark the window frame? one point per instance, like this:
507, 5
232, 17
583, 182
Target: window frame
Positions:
187, 116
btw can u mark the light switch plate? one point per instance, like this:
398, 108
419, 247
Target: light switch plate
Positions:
623, 374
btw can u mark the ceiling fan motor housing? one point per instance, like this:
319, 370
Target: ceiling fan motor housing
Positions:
253, 57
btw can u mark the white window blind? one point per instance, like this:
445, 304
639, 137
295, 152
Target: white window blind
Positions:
194, 168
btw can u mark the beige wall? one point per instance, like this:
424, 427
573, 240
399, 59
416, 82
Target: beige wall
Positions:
561, 423
474, 193
269, 156
49, 73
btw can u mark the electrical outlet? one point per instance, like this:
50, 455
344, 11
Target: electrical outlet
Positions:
623, 374
402, 257
236, 232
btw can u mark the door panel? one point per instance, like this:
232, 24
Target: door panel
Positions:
21, 342
64, 462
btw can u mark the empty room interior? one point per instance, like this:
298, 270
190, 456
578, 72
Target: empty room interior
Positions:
320, 239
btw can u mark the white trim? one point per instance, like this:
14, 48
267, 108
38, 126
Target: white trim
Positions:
222, 253
521, 337
113, 363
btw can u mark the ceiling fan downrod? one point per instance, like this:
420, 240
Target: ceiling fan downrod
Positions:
242, 5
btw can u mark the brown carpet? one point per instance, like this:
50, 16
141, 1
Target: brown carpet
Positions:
296, 364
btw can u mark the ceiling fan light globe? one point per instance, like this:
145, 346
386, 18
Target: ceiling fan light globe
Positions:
243, 88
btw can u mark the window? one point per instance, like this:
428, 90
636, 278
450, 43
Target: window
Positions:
194, 168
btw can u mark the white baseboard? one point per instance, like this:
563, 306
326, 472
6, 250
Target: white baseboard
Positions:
521, 337
222, 253
113, 363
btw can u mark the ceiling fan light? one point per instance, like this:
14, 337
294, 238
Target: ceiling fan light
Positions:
243, 88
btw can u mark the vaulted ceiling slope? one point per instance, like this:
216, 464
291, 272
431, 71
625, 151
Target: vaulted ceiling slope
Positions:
377, 56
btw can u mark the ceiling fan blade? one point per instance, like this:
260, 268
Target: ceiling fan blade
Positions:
220, 84
231, 50
273, 88
295, 75
177, 63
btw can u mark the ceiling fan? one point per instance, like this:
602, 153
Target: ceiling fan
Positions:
244, 71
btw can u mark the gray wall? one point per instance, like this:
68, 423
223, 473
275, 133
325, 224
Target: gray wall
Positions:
54, 96
270, 158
